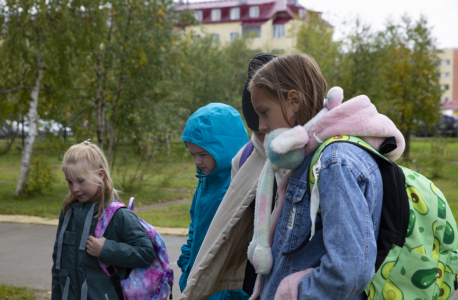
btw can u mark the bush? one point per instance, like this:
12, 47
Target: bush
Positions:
41, 176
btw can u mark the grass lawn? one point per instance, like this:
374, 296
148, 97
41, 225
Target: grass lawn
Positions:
172, 216
15, 293
165, 179
427, 153
172, 177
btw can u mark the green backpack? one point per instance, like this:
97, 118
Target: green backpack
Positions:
417, 245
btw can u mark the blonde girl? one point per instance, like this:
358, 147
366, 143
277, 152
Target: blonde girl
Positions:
76, 273
339, 260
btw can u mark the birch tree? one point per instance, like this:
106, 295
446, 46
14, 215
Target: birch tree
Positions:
36, 47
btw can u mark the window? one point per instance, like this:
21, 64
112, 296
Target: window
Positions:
233, 36
251, 31
446, 99
216, 15
215, 37
301, 12
439, 62
198, 15
235, 13
447, 75
446, 87
254, 11
447, 62
278, 31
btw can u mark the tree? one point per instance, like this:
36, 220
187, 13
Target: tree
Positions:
409, 86
37, 49
358, 72
315, 37
126, 62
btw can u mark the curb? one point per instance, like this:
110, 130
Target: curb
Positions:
54, 222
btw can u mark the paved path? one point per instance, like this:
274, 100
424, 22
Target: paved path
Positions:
26, 250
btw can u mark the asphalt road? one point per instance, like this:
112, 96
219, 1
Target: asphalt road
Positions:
26, 250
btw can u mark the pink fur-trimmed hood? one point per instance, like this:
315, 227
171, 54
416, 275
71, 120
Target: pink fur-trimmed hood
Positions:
355, 117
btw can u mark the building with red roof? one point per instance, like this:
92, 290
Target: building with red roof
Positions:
269, 24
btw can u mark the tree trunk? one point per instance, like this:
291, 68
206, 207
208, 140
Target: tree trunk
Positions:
118, 92
33, 118
406, 134
99, 104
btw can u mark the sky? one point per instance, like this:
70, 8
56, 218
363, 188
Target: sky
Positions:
442, 15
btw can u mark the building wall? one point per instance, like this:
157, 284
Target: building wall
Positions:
266, 42
455, 76
223, 29
447, 62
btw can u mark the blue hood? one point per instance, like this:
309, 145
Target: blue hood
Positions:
218, 128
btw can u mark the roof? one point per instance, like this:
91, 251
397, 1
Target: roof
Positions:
453, 105
268, 9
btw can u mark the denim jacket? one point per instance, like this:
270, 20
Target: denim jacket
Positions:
343, 253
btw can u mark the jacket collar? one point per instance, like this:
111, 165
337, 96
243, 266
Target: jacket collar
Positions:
258, 146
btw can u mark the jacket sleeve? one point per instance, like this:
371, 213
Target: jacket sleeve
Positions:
183, 260
55, 287
351, 247
135, 248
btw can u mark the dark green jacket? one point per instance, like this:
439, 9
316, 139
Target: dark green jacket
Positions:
127, 246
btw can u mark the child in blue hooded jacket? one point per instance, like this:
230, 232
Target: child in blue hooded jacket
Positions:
213, 134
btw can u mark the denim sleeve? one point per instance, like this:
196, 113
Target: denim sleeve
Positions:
348, 232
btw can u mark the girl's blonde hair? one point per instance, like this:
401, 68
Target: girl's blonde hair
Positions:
297, 72
84, 160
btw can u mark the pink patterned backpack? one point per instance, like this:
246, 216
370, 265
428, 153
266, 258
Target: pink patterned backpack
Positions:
148, 283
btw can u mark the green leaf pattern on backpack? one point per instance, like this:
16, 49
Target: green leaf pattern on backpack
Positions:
425, 267
411, 225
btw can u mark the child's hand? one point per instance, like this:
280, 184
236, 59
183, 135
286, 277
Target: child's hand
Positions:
94, 245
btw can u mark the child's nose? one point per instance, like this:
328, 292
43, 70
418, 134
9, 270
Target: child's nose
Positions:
263, 127
75, 188
197, 160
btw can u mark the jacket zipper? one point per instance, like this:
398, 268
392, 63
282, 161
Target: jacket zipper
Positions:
77, 250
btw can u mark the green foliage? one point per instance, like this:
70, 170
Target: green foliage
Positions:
358, 70
8, 292
409, 83
40, 178
314, 37
397, 69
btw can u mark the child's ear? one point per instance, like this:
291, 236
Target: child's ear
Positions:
293, 99
101, 174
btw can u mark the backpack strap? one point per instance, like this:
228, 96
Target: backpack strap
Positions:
106, 217
87, 227
116, 281
246, 153
100, 228
60, 239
